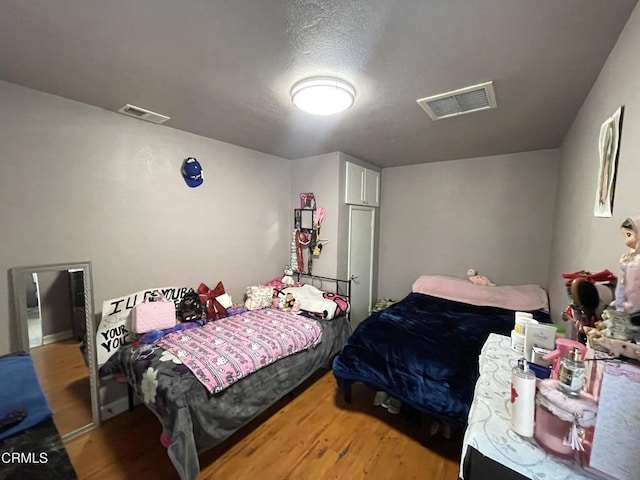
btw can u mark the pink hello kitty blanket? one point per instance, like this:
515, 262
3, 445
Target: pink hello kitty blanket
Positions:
222, 352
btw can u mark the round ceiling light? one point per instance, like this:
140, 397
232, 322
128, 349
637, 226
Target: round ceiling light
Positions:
322, 96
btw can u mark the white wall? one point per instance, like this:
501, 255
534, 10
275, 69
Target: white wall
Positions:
80, 183
582, 241
492, 213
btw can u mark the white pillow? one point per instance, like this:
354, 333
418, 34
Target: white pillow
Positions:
258, 296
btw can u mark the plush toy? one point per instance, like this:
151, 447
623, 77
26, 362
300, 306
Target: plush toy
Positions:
478, 279
288, 302
288, 279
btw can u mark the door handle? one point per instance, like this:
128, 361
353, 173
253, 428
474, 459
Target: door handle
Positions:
354, 278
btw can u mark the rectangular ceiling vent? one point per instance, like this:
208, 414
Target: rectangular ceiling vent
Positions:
143, 114
459, 102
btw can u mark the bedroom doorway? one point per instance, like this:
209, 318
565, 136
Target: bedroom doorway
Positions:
361, 238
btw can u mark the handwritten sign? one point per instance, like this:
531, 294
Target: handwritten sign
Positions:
116, 319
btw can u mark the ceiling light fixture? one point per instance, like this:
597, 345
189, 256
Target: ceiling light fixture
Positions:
322, 95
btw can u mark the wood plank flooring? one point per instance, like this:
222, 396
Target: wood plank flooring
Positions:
64, 378
311, 434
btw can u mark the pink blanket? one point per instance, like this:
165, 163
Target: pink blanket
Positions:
222, 352
512, 297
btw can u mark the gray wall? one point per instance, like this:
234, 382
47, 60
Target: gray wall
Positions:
80, 183
324, 175
492, 213
582, 241
319, 175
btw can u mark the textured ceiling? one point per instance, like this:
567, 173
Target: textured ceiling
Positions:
224, 69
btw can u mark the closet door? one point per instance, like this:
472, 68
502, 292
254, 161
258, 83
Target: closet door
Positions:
361, 244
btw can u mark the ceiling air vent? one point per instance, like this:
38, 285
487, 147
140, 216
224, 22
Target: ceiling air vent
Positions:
458, 102
143, 114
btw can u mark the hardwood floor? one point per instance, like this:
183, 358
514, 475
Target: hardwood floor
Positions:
311, 434
64, 378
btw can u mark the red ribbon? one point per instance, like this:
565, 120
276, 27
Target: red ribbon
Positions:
215, 310
603, 276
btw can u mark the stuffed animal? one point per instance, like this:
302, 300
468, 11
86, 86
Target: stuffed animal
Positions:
288, 279
288, 302
478, 279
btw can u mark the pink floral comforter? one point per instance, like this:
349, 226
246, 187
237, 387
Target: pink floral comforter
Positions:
222, 352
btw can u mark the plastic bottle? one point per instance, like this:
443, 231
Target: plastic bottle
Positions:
523, 393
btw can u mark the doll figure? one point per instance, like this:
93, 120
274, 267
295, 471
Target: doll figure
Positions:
479, 279
628, 287
288, 279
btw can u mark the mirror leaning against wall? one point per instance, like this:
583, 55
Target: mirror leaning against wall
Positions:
54, 311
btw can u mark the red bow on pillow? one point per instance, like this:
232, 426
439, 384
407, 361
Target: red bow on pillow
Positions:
215, 310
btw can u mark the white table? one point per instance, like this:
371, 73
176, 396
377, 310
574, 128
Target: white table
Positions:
489, 430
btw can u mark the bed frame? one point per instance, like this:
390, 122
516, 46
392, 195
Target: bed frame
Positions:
340, 286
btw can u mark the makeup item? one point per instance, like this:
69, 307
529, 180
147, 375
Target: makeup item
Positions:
523, 392
571, 373
522, 319
538, 335
517, 342
537, 356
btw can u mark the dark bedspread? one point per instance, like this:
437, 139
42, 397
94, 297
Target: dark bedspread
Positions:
424, 351
194, 420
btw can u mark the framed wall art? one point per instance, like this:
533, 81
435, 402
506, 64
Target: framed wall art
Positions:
609, 146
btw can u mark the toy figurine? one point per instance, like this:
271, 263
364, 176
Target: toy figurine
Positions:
287, 279
628, 287
478, 279
619, 330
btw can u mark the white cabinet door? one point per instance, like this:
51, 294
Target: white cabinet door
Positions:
371, 188
354, 185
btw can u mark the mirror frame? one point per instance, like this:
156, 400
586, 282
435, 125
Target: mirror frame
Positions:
303, 219
20, 306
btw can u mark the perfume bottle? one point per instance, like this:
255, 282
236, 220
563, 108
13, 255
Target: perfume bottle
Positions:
571, 373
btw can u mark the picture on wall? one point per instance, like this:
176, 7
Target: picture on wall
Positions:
609, 144
307, 201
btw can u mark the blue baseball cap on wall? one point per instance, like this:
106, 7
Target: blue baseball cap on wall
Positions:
192, 172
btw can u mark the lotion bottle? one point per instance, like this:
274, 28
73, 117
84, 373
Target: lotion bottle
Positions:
523, 394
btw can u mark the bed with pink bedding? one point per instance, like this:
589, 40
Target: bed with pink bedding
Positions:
207, 382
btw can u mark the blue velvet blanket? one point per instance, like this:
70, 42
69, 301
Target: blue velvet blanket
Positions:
424, 351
